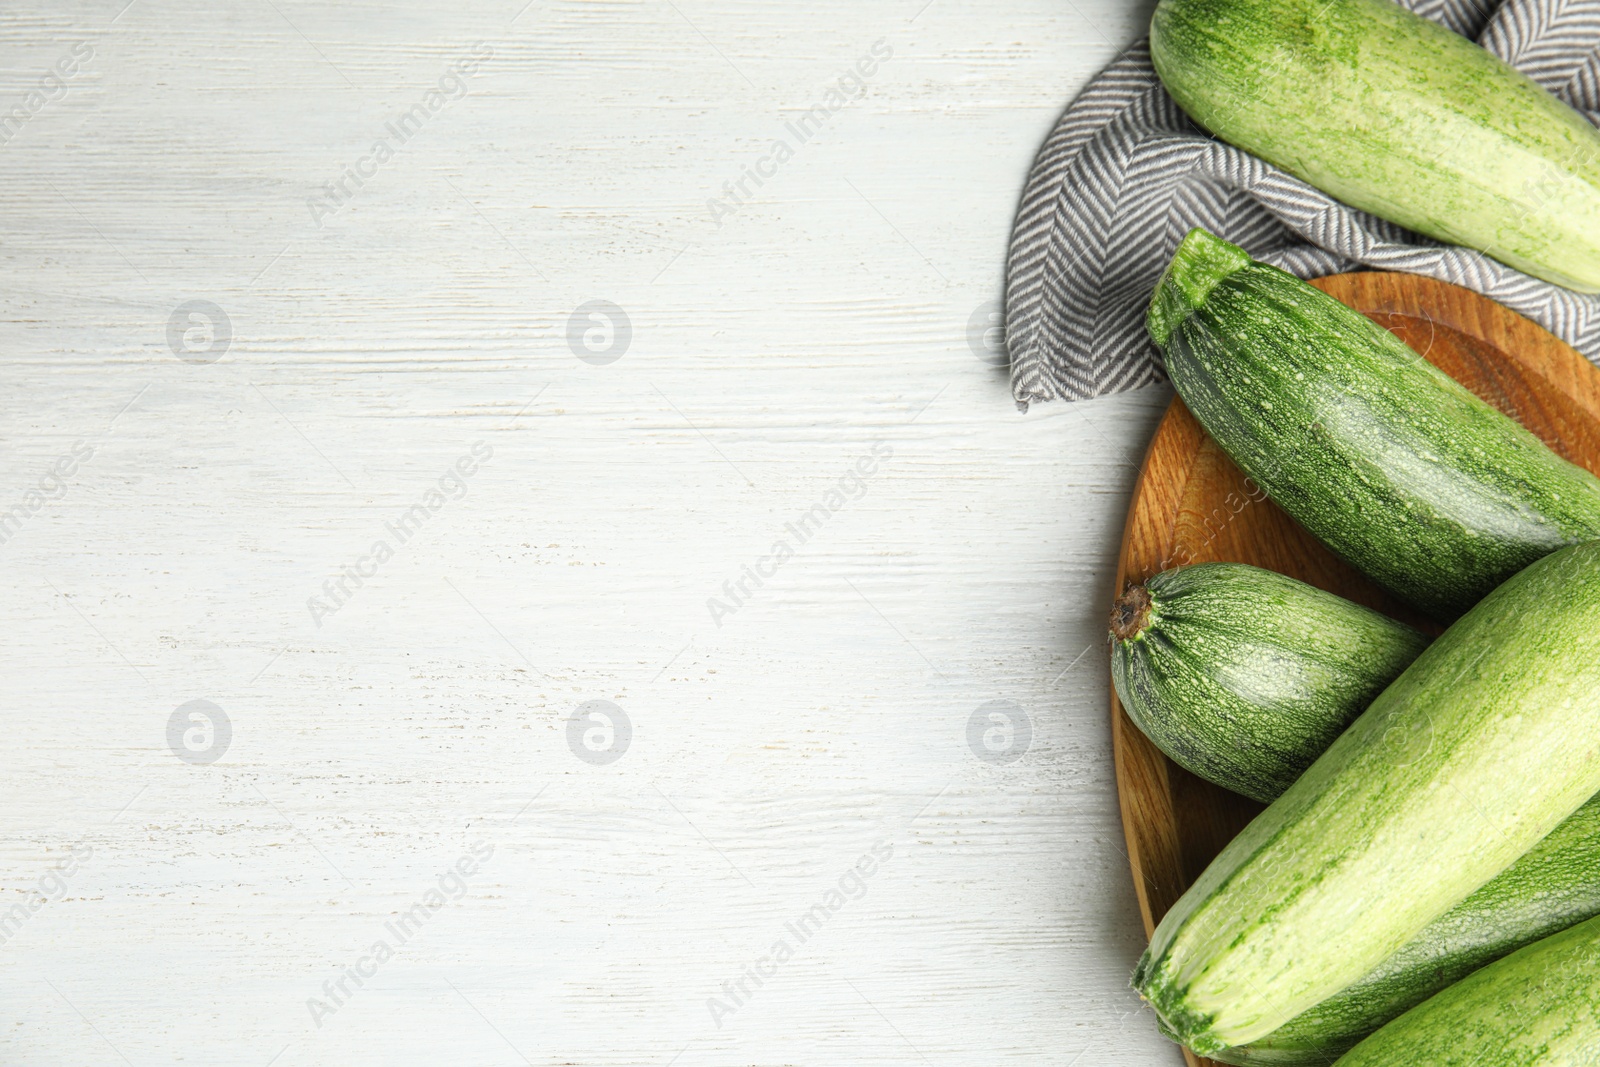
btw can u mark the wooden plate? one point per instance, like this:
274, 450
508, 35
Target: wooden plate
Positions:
1192, 505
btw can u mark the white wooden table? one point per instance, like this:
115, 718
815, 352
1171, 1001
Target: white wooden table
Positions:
243, 346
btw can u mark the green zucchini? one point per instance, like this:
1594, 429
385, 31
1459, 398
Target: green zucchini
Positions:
1473, 755
1397, 468
1538, 1007
1395, 115
1554, 886
1244, 676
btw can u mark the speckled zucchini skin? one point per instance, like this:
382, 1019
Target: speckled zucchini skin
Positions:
1395, 115
1554, 886
1538, 1007
1478, 750
1418, 483
1245, 676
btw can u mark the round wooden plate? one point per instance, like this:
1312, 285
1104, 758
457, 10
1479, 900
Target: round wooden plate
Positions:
1192, 505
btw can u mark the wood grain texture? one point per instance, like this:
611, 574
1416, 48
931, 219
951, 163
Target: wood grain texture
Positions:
1193, 505
369, 353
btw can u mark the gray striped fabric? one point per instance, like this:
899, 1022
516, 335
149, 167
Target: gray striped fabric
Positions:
1124, 175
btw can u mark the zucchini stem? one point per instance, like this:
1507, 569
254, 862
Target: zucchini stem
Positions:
1201, 261
1130, 615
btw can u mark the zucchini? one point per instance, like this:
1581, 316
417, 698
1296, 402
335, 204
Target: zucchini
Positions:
1473, 755
1244, 676
1403, 472
1538, 1007
1395, 115
1554, 886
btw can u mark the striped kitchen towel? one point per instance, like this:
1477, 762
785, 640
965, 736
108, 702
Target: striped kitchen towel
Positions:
1125, 174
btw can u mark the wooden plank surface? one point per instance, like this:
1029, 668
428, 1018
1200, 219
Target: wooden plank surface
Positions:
370, 348
1193, 505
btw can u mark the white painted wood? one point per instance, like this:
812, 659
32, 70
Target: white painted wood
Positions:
374, 346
